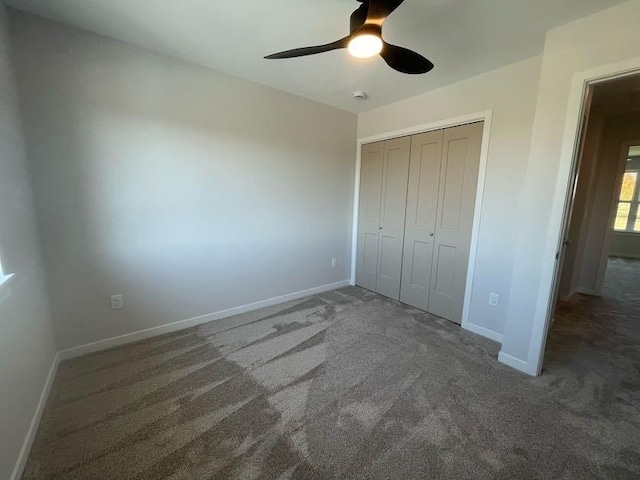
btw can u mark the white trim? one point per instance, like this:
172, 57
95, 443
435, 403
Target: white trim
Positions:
586, 291
578, 291
192, 322
624, 255
35, 421
566, 169
475, 231
485, 332
516, 363
485, 116
356, 207
426, 127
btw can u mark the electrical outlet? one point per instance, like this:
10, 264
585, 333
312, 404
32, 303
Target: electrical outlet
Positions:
334, 262
116, 302
494, 299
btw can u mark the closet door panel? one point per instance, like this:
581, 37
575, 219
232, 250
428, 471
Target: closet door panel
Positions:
392, 221
372, 163
422, 200
454, 220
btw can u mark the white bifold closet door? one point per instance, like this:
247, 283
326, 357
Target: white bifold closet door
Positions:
383, 197
372, 164
454, 220
422, 209
417, 200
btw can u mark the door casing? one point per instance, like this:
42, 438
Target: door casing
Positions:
567, 172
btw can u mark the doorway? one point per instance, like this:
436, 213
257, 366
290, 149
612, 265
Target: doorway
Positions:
599, 266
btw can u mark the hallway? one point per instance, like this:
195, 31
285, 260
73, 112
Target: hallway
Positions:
596, 340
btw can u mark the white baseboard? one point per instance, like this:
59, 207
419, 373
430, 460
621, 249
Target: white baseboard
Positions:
586, 291
516, 363
579, 291
192, 322
624, 255
35, 421
485, 332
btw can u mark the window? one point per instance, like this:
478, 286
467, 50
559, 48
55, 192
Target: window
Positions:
627, 215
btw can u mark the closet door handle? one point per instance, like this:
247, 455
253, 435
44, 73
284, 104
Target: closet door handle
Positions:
431, 234
379, 228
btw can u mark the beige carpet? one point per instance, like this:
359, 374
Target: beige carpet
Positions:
348, 385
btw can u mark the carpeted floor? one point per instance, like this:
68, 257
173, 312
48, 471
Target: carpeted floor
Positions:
348, 385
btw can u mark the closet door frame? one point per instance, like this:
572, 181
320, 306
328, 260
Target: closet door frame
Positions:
483, 116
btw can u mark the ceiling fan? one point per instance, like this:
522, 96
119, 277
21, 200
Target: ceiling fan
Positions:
365, 40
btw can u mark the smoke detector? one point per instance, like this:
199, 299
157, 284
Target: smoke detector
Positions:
360, 95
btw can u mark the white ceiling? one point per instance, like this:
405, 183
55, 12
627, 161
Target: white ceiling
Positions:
462, 37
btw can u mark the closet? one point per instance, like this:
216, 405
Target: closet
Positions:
417, 199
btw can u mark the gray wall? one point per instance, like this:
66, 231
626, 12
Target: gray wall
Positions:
26, 335
569, 50
186, 190
510, 92
591, 234
624, 244
593, 264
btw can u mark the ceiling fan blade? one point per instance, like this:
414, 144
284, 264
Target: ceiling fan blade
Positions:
359, 17
404, 60
302, 52
379, 10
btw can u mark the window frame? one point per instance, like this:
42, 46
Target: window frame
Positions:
634, 205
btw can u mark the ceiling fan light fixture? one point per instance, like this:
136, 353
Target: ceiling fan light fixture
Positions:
365, 45
365, 40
